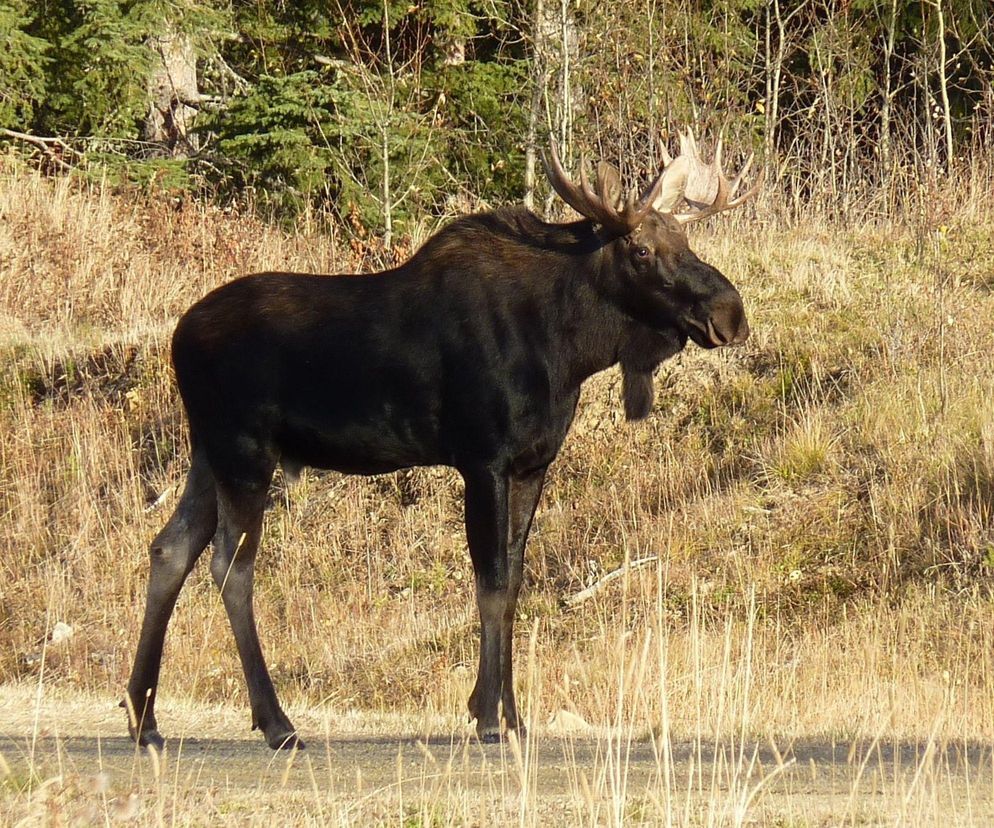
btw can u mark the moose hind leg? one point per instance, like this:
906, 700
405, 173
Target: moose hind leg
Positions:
173, 553
233, 564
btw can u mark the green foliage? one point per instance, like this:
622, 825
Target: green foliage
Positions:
100, 59
281, 38
275, 140
844, 52
322, 138
101, 88
376, 12
22, 65
486, 108
450, 18
384, 108
458, 18
387, 125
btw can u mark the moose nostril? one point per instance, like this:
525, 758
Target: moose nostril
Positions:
717, 336
727, 323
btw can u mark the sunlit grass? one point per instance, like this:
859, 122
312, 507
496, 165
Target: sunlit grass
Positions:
705, 723
810, 516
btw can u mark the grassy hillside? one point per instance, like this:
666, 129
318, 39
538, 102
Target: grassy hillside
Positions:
809, 515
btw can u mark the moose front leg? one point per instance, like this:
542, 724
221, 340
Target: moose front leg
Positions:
525, 491
487, 535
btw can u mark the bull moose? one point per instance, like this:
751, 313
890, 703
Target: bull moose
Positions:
469, 355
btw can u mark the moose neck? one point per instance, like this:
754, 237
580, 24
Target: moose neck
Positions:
593, 331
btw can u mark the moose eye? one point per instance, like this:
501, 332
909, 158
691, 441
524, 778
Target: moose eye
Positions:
642, 252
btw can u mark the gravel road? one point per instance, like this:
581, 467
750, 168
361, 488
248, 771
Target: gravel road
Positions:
563, 778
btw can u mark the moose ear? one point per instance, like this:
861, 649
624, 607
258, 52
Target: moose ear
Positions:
609, 184
637, 392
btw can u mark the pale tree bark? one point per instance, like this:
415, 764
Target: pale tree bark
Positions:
888, 93
385, 135
555, 46
947, 120
774, 74
540, 41
453, 49
174, 96
568, 50
768, 92
926, 104
561, 102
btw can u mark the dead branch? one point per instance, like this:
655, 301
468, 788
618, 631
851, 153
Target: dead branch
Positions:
45, 144
593, 589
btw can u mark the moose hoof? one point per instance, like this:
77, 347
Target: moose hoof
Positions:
150, 738
488, 734
285, 740
493, 735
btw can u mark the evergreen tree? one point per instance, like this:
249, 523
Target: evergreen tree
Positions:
23, 60
384, 109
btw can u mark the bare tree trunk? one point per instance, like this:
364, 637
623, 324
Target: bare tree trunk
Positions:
888, 96
385, 137
921, 126
568, 33
768, 78
560, 24
534, 113
174, 95
947, 120
453, 49
387, 206
650, 15
774, 77
886, 146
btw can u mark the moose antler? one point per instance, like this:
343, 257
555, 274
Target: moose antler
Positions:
704, 187
605, 205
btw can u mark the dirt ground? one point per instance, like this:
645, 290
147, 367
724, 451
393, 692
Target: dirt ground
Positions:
363, 768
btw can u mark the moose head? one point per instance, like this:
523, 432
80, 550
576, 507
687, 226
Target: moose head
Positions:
650, 272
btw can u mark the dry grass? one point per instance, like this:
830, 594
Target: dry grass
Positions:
818, 502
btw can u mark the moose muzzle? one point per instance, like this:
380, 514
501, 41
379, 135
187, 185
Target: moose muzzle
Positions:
724, 322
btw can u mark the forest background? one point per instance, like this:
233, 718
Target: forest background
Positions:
382, 112
799, 541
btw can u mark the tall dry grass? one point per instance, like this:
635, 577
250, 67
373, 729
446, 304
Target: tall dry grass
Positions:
809, 515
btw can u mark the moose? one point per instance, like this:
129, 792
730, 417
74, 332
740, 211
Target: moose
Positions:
470, 355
